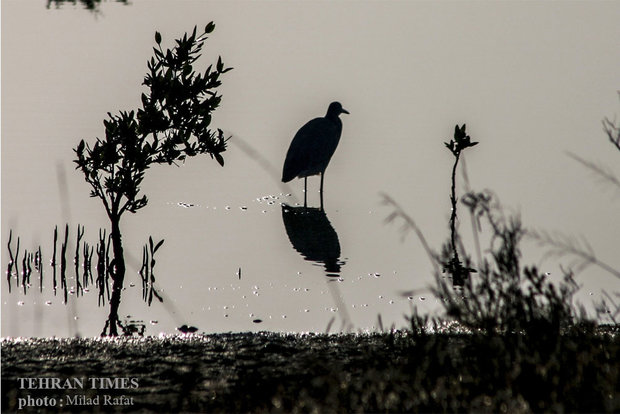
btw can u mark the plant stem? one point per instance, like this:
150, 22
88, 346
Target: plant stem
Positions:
453, 215
118, 276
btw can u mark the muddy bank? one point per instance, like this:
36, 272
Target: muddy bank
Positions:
322, 373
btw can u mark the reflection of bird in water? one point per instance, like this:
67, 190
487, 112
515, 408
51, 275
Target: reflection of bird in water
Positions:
313, 236
313, 147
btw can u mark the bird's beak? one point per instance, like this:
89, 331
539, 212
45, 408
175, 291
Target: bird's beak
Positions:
344, 111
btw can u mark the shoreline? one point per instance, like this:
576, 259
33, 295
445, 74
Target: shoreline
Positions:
274, 372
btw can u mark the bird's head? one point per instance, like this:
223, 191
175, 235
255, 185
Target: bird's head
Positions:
335, 109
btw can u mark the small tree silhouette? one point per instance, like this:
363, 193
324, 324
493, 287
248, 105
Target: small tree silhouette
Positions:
172, 124
454, 266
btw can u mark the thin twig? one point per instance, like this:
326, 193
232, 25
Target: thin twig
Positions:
9, 269
562, 245
409, 224
604, 174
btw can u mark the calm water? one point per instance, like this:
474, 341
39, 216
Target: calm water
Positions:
299, 271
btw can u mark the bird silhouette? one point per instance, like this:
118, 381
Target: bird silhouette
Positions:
313, 146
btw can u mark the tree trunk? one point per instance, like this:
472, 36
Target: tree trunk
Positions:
118, 276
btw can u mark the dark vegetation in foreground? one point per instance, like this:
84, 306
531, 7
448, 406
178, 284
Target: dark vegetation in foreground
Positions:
576, 371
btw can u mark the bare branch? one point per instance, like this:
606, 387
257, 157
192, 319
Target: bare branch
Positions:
562, 245
409, 224
612, 131
604, 174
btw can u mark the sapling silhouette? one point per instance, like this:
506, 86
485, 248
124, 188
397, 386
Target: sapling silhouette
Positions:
172, 124
451, 261
454, 266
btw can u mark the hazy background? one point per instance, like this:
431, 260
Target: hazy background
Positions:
532, 80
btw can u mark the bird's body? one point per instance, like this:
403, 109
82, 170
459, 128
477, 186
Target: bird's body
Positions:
313, 146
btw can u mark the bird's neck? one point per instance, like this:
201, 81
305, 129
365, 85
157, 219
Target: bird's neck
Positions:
333, 117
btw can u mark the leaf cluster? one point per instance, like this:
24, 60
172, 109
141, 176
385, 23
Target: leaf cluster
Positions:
172, 124
115, 166
460, 142
180, 101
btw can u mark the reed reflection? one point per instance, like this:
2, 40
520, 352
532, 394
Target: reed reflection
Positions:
313, 236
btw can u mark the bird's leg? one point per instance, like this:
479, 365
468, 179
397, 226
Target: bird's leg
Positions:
305, 192
321, 190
